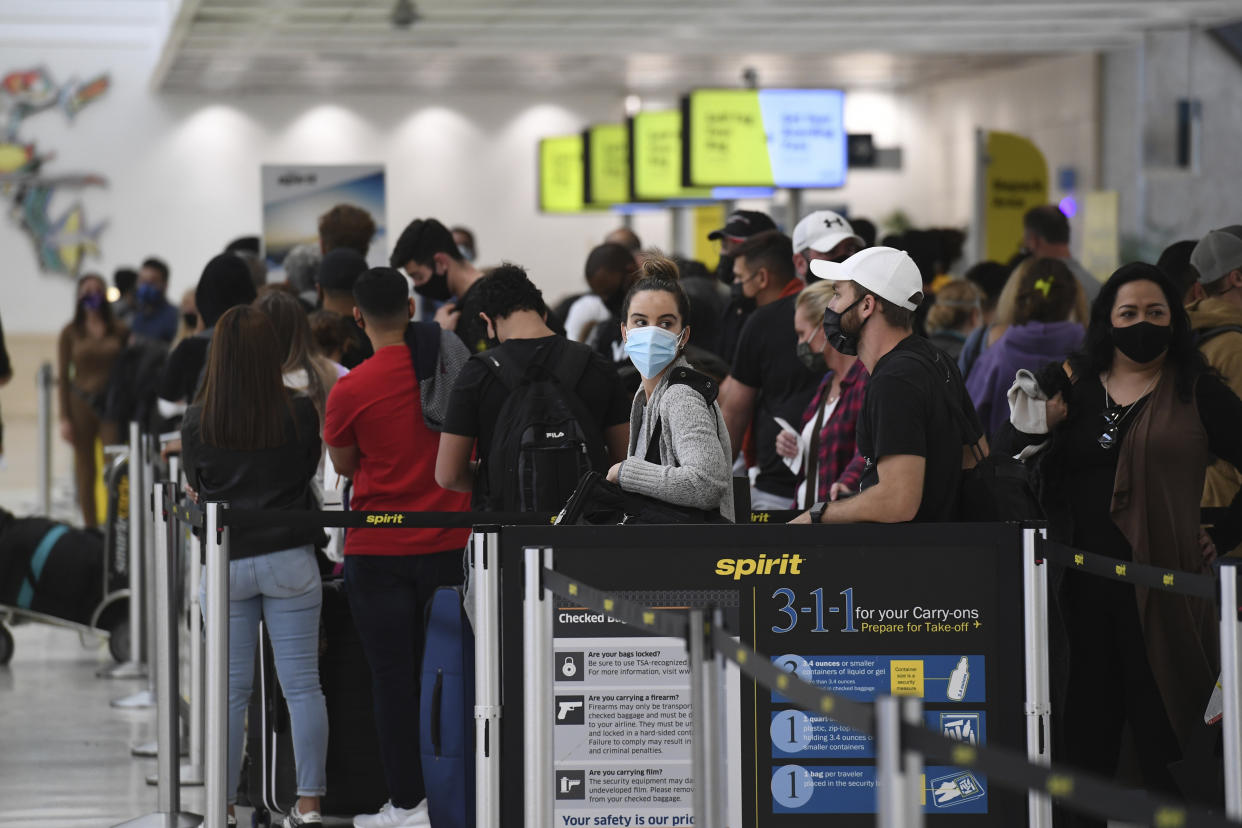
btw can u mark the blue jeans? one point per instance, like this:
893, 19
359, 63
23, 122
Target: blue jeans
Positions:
283, 588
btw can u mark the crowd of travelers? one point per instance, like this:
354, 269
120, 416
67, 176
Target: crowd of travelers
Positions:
842, 380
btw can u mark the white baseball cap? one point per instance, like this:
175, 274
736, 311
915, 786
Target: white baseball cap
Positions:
890, 274
821, 231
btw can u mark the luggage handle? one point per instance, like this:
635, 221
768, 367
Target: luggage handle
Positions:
437, 698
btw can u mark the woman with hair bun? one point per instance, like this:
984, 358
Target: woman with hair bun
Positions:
679, 444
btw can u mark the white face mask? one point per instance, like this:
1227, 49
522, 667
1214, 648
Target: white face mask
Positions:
651, 349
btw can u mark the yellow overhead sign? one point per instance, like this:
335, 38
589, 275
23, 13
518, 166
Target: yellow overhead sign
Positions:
561, 174
607, 164
657, 155
1015, 179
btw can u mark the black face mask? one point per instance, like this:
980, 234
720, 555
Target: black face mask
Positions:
1143, 342
842, 341
436, 288
813, 360
724, 269
190, 319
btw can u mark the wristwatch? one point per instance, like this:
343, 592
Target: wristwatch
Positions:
817, 511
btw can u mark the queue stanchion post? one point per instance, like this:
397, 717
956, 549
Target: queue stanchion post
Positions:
890, 792
192, 770
899, 771
718, 681
138, 597
1231, 687
912, 765
485, 595
216, 675
43, 383
702, 716
1038, 685
537, 689
165, 661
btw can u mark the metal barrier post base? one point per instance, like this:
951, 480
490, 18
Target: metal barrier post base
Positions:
128, 670
191, 776
162, 820
150, 750
141, 700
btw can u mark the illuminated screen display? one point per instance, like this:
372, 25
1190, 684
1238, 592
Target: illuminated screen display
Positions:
607, 162
561, 174
655, 158
792, 138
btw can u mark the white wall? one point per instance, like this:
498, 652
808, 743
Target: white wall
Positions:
1161, 203
184, 170
184, 173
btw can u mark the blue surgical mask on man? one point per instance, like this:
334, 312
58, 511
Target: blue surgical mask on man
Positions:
149, 294
651, 349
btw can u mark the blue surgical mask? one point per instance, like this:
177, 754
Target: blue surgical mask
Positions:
149, 294
651, 349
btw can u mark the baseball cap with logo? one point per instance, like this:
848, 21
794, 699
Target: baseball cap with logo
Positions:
823, 230
890, 274
1218, 254
742, 224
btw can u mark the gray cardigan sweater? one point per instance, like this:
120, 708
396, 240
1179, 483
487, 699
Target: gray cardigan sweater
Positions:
694, 469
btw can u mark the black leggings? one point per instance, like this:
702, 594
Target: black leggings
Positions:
1111, 684
388, 596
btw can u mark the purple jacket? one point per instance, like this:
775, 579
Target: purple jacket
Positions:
1030, 346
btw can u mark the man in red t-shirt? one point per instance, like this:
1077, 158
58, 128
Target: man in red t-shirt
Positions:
375, 431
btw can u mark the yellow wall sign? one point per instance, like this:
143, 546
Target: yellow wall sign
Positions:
607, 164
1015, 180
730, 146
1101, 241
707, 218
561, 174
657, 154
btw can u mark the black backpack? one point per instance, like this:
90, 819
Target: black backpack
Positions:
545, 438
998, 488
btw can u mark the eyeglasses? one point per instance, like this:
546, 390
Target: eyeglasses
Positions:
1112, 423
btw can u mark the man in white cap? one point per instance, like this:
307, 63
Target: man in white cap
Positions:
1216, 319
826, 236
908, 430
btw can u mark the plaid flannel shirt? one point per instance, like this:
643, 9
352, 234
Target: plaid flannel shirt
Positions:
838, 460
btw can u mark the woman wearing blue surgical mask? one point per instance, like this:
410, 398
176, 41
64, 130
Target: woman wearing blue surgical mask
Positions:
679, 445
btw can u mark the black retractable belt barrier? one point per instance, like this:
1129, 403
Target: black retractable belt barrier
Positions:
187, 513
1139, 574
249, 518
1080, 791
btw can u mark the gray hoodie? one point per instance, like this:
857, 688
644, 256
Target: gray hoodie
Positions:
694, 469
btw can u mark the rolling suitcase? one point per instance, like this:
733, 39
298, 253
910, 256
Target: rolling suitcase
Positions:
355, 771
446, 712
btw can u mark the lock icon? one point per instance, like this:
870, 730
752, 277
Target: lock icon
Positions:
569, 669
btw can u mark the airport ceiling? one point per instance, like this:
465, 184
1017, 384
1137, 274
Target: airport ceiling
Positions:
641, 46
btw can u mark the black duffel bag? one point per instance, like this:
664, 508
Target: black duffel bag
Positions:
597, 502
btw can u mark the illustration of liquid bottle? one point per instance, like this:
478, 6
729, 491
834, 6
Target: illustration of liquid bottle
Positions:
958, 680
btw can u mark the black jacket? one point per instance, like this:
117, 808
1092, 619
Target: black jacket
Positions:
275, 478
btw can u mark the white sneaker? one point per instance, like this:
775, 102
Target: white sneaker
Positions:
391, 816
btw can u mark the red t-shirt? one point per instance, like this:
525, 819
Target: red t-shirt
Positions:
377, 408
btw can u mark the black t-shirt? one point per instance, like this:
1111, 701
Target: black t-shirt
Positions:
179, 379
907, 411
736, 314
478, 396
767, 360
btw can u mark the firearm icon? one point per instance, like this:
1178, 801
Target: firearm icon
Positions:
567, 707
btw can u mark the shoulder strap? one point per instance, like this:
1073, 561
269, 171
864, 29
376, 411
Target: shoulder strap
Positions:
500, 367
969, 436
423, 340
1211, 333
681, 375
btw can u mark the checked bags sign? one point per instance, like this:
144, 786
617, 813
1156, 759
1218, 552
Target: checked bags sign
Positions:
933, 612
